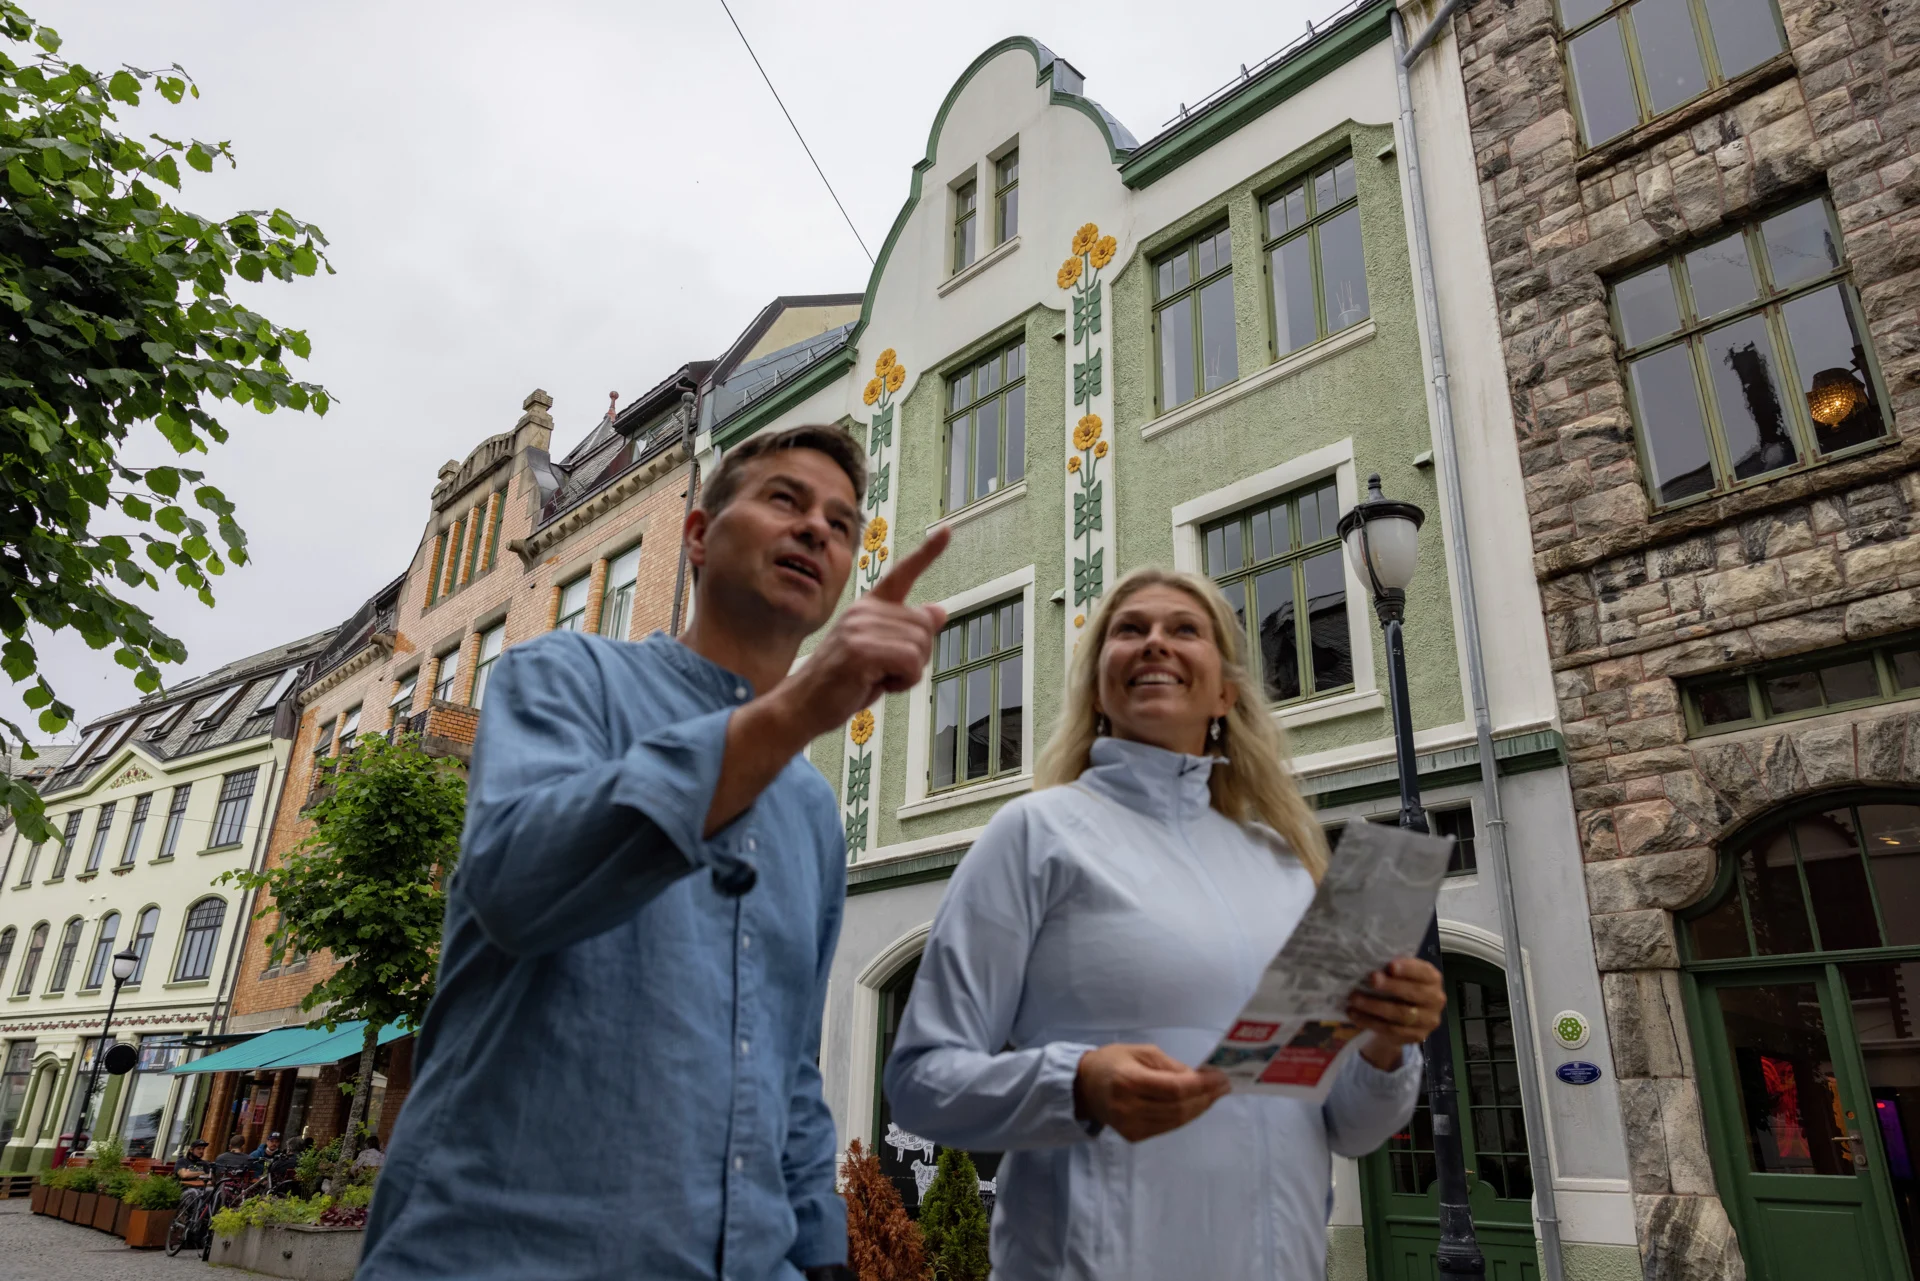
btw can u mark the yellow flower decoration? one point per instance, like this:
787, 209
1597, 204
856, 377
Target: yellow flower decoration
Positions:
1073, 463
876, 536
1100, 450
896, 375
1079, 620
888, 359
863, 560
1069, 272
881, 555
862, 728
1102, 251
1086, 432
872, 393
1085, 238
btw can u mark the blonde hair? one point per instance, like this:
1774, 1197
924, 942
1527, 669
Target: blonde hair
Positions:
1255, 785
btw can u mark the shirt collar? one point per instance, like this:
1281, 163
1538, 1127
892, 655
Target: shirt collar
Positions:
724, 687
1152, 780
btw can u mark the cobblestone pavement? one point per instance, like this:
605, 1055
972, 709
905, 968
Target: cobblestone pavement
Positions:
36, 1248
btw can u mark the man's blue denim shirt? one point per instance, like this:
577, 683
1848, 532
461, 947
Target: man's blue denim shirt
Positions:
618, 1076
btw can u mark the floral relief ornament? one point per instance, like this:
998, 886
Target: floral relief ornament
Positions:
1080, 274
861, 728
889, 376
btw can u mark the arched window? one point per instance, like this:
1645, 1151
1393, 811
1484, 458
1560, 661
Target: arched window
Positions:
63, 959
102, 949
36, 944
143, 940
7, 936
906, 1158
203, 931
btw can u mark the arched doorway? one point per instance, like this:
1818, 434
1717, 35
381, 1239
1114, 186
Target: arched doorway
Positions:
906, 1158
1802, 968
1398, 1188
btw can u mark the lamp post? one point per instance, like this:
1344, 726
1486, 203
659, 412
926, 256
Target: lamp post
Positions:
1382, 537
124, 964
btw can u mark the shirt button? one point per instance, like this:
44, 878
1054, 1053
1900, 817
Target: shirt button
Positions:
743, 1047
752, 844
746, 941
739, 1163
740, 692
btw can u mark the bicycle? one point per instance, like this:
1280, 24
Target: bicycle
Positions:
192, 1224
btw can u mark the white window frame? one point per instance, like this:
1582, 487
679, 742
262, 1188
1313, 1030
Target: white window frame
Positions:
1335, 460
917, 802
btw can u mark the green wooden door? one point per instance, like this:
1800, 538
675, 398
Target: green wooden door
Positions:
1800, 1119
1398, 1182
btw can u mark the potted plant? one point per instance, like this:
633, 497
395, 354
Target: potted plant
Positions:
111, 1180
43, 1191
110, 1214
151, 1203
83, 1192
59, 1188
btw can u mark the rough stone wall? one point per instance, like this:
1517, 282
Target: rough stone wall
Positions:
1636, 598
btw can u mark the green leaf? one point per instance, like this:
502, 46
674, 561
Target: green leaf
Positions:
124, 88
20, 180
38, 696
162, 554
198, 157
172, 519
196, 546
138, 508
52, 722
164, 481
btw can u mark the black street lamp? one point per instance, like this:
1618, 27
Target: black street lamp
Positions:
124, 964
1382, 537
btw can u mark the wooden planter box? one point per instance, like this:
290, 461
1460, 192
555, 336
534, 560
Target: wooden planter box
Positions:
119, 1227
147, 1229
41, 1192
83, 1208
105, 1210
57, 1202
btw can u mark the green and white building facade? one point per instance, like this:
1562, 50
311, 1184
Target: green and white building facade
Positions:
1086, 353
156, 802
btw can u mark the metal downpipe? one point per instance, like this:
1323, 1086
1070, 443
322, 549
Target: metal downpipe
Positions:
1447, 455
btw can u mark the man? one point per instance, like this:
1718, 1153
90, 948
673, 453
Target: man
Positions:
269, 1150
646, 904
194, 1168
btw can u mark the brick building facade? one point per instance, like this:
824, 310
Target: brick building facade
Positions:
1706, 607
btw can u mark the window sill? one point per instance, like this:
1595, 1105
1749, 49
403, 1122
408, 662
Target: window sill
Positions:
1280, 370
1002, 250
86, 876
1354, 703
28, 996
186, 983
222, 849
939, 802
999, 498
160, 858
122, 870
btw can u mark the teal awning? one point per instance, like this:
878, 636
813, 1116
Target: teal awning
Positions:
290, 1047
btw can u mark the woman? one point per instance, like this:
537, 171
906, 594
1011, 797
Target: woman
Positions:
1097, 941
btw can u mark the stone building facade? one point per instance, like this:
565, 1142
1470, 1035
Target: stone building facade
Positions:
1674, 597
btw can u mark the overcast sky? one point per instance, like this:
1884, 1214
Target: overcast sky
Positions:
576, 196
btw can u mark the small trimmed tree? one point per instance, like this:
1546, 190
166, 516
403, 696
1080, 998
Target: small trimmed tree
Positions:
369, 888
953, 1219
883, 1244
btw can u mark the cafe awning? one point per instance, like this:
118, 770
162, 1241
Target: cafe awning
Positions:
291, 1047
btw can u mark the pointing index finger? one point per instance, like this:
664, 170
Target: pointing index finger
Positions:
900, 579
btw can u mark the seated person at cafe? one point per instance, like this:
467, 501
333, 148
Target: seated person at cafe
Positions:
193, 1166
370, 1155
270, 1149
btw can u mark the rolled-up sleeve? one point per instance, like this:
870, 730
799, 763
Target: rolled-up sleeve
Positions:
950, 1077
565, 837
1367, 1106
809, 1161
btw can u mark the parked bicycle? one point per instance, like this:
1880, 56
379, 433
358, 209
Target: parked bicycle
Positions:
192, 1226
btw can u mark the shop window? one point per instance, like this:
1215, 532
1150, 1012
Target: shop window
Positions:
1314, 260
1747, 357
986, 426
13, 1085
979, 707
1633, 61
1193, 318
1283, 568
908, 1160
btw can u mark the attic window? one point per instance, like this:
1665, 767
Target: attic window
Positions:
268, 705
168, 719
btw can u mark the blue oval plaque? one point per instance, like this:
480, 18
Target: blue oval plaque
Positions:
1578, 1073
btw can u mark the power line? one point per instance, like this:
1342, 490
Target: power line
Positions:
796, 130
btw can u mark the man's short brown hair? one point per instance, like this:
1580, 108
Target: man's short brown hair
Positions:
834, 442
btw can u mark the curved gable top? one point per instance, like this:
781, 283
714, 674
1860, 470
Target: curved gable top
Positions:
1064, 90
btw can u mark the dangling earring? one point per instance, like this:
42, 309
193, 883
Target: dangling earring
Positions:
1100, 726
1217, 729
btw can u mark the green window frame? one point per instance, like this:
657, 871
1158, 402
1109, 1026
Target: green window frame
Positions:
978, 697
1713, 338
1630, 62
984, 441
102, 828
67, 840
1006, 197
966, 224
1282, 566
616, 598
1315, 261
1832, 680
572, 615
433, 577
1193, 322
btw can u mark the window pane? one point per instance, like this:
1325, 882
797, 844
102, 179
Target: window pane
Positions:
1209, 260
1800, 244
1669, 52
1262, 525
1795, 692
1893, 854
1906, 668
1284, 213
1294, 322
1232, 552
1784, 1070
1602, 83
1010, 714
1163, 279
1343, 180
1667, 407
1176, 353
948, 652
1744, 34
957, 453
960, 393
1721, 932
1236, 594
1343, 271
1837, 881
1016, 411
1646, 305
987, 377
1219, 362
1279, 642
1723, 704
1009, 215
1741, 363
1832, 360
1016, 360
1721, 276
979, 720
1182, 269
1216, 555
946, 722
1845, 682
1772, 888
1331, 643
986, 449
